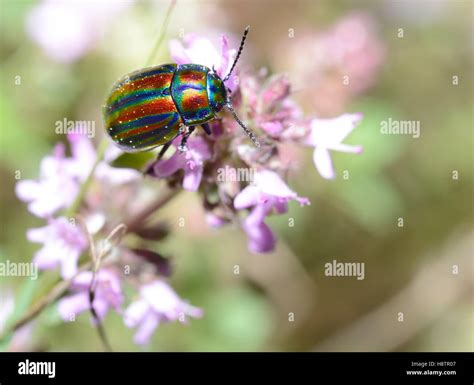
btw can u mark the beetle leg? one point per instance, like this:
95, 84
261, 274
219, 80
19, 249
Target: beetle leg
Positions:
163, 150
182, 147
206, 128
149, 169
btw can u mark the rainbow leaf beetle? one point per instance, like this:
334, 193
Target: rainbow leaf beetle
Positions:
152, 106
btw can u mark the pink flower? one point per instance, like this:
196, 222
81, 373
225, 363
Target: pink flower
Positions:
62, 242
108, 294
276, 111
327, 134
191, 161
341, 62
215, 221
353, 46
269, 105
84, 156
269, 193
158, 303
60, 177
80, 24
200, 50
55, 189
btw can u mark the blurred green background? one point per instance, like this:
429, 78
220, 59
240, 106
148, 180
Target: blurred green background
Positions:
282, 301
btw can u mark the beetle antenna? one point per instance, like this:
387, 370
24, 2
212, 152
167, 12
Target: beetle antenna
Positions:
242, 42
247, 130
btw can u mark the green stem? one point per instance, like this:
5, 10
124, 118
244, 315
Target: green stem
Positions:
85, 186
63, 286
161, 36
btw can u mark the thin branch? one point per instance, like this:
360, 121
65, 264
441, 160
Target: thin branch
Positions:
85, 186
115, 235
138, 220
55, 293
61, 287
161, 36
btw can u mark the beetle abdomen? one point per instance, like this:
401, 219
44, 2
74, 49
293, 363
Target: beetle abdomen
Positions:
140, 112
189, 92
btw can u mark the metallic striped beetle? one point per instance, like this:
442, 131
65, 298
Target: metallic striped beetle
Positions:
150, 107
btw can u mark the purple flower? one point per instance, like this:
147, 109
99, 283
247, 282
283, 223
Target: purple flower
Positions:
269, 105
269, 193
215, 221
200, 50
108, 294
327, 134
62, 242
55, 189
60, 177
158, 303
84, 156
191, 161
341, 62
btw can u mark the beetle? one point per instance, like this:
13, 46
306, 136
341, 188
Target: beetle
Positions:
152, 106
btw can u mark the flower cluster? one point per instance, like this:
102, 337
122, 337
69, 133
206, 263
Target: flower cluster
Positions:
65, 240
341, 62
83, 198
265, 102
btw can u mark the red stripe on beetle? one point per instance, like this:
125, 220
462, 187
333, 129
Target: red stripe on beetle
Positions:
154, 81
154, 107
191, 77
194, 102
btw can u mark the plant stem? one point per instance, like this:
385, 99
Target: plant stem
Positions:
61, 287
138, 220
85, 186
161, 36
55, 293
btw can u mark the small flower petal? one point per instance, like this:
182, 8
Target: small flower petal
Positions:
192, 178
260, 237
249, 196
135, 313
158, 302
73, 305
322, 161
145, 329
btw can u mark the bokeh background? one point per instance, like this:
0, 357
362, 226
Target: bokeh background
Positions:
402, 58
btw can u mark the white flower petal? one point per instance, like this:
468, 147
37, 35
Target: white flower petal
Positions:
323, 162
27, 190
271, 183
249, 196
